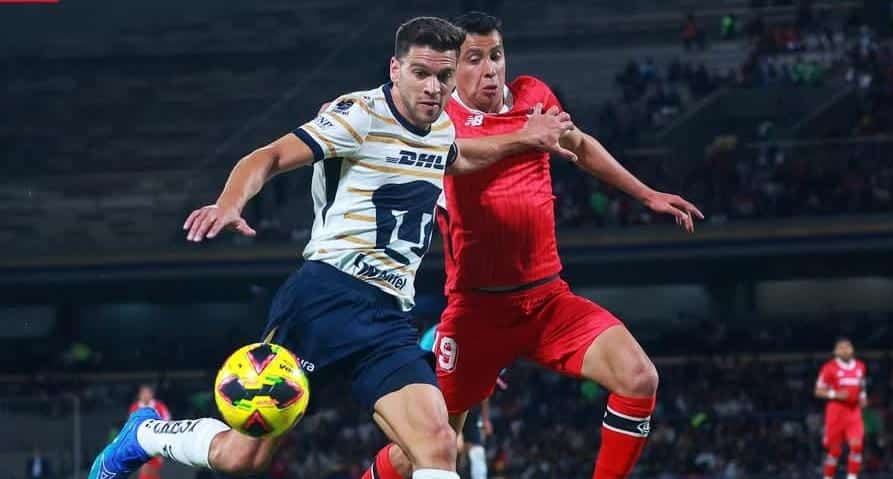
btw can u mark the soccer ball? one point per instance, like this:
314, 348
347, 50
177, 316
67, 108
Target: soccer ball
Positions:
261, 390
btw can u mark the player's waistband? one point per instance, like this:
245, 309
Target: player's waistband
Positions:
520, 287
334, 276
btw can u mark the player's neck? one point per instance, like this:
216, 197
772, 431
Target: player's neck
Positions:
846, 363
500, 104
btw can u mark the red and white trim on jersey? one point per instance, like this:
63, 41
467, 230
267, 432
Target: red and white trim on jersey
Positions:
847, 365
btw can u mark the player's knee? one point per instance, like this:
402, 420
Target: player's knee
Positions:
438, 450
834, 450
640, 380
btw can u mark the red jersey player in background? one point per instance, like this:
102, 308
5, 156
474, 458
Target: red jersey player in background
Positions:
842, 382
505, 296
146, 398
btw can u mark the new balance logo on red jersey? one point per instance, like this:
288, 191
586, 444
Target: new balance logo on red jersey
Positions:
475, 120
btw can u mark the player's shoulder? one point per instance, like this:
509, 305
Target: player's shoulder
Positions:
860, 364
362, 100
524, 85
829, 364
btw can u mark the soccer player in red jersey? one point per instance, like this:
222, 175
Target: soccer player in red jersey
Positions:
146, 398
842, 383
505, 296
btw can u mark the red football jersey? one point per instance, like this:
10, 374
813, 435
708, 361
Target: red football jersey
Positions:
155, 404
840, 376
499, 224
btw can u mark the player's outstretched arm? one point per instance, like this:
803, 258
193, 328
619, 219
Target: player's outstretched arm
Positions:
542, 132
822, 392
485, 417
597, 161
245, 181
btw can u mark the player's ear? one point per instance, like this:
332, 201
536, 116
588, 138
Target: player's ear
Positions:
395, 69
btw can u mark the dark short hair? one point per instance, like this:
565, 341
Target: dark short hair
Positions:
432, 32
841, 339
478, 23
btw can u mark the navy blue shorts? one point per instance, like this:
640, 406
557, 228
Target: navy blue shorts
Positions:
337, 324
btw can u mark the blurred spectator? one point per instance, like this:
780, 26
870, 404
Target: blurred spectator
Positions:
38, 466
728, 28
692, 36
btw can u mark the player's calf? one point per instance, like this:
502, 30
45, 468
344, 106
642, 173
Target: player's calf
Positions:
616, 361
235, 453
830, 465
206, 443
854, 460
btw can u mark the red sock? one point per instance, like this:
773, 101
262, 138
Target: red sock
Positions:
854, 459
830, 466
624, 432
382, 467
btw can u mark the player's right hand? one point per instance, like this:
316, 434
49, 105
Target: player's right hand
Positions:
488, 428
208, 221
841, 395
544, 130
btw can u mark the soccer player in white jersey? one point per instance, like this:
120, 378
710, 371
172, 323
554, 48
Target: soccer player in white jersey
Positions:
379, 157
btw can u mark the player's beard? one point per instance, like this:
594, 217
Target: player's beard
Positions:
428, 112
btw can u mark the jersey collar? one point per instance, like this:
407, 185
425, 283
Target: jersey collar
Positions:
507, 102
400, 118
846, 365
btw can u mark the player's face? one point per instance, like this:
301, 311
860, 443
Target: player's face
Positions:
423, 80
480, 78
844, 350
146, 394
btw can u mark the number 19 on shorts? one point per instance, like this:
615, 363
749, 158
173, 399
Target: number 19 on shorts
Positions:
447, 352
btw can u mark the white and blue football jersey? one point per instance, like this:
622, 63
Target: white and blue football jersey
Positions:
376, 181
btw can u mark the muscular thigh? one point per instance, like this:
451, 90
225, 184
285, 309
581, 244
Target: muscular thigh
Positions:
570, 324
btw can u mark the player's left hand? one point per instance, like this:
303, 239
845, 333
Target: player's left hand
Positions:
863, 402
675, 205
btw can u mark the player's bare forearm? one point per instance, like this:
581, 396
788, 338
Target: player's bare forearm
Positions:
256, 168
830, 394
246, 179
598, 162
485, 409
541, 132
479, 153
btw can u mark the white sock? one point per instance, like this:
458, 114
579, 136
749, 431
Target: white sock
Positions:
477, 459
434, 474
187, 442
850, 476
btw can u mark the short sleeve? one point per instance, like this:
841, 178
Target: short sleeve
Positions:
550, 99
337, 131
452, 155
824, 379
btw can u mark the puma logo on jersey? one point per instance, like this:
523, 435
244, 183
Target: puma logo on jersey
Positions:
424, 160
475, 120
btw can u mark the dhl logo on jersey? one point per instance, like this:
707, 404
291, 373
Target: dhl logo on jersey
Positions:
424, 160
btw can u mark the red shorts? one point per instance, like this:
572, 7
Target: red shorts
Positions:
481, 333
843, 427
